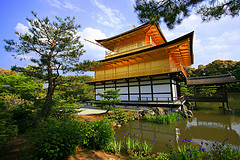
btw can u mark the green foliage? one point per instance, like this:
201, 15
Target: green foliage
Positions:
114, 147
24, 116
165, 118
119, 116
98, 134
109, 98
73, 89
224, 151
66, 110
27, 88
8, 128
173, 12
215, 151
20, 95
132, 146
56, 138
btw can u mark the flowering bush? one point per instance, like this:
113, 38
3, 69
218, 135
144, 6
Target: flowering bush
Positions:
214, 151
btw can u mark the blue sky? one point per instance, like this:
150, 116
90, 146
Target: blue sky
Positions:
100, 19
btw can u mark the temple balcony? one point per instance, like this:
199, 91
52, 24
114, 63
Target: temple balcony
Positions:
129, 49
136, 73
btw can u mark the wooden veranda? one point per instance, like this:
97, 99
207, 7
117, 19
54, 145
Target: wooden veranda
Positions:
218, 84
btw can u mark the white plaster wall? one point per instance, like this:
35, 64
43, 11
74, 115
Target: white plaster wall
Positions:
99, 90
124, 97
143, 97
134, 97
161, 97
145, 89
98, 98
123, 90
161, 88
134, 89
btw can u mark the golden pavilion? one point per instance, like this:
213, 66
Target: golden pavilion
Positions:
144, 65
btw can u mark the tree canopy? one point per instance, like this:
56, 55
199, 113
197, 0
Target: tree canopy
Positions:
54, 47
172, 12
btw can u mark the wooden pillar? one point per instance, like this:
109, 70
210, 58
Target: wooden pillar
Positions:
139, 90
104, 87
226, 96
171, 89
152, 88
95, 92
128, 90
178, 89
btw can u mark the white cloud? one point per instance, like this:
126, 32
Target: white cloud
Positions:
21, 28
65, 4
109, 17
212, 40
93, 51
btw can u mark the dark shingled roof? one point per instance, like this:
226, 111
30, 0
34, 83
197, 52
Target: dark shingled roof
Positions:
211, 80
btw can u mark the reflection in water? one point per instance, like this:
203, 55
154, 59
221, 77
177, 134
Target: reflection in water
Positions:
209, 124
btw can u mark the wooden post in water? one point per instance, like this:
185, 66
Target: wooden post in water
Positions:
225, 87
195, 102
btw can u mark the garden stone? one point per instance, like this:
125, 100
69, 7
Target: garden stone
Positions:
159, 111
190, 114
137, 115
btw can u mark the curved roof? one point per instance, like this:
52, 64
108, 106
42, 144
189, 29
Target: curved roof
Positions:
108, 43
211, 80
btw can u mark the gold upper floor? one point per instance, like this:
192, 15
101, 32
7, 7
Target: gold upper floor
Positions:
146, 56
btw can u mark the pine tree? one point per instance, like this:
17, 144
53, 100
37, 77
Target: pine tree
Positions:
172, 12
54, 47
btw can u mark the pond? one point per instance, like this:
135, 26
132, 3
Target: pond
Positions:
209, 124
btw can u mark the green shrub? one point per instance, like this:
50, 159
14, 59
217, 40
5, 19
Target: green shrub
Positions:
98, 134
119, 116
8, 129
24, 116
56, 138
166, 118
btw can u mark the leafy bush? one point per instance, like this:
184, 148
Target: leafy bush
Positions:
109, 98
56, 138
119, 116
98, 134
65, 110
8, 129
24, 116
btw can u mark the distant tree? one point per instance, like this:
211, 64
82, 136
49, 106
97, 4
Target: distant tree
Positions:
56, 47
172, 12
74, 89
109, 98
7, 72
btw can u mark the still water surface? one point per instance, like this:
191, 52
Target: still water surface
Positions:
209, 124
